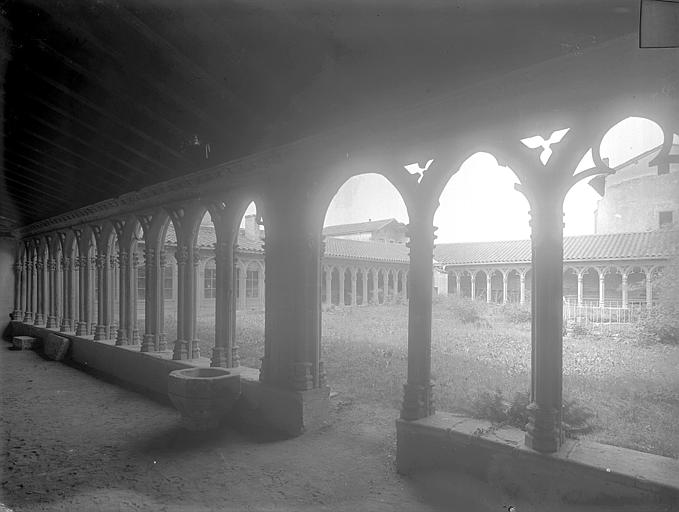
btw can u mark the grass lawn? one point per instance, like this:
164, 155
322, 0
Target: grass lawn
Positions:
631, 388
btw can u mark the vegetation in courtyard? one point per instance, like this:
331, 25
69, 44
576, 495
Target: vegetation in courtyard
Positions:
661, 323
617, 389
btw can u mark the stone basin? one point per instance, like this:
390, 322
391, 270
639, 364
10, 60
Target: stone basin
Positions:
203, 396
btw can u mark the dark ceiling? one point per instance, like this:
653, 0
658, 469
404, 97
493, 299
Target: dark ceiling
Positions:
105, 97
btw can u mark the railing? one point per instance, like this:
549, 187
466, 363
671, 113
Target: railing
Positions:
589, 313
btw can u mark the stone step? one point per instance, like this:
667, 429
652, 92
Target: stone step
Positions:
24, 342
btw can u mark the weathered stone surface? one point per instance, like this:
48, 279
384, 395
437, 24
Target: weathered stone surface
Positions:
24, 342
55, 347
203, 396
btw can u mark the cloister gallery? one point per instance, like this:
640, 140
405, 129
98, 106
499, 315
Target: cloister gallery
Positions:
79, 271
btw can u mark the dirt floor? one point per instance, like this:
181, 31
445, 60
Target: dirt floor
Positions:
71, 442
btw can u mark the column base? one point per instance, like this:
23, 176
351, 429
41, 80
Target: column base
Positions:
66, 325
418, 401
219, 357
181, 350
235, 357
148, 343
17, 315
52, 322
39, 319
543, 432
28, 318
121, 338
134, 338
302, 377
195, 349
101, 332
81, 329
161, 342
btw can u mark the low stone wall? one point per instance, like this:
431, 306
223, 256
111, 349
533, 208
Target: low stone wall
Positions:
582, 473
288, 412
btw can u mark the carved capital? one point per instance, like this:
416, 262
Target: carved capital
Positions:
162, 258
123, 259
196, 256
181, 255
66, 263
150, 256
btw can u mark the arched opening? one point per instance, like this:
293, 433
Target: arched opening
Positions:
204, 244
249, 289
365, 348
483, 237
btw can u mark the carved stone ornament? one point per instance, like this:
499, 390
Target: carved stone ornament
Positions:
123, 259
182, 254
149, 256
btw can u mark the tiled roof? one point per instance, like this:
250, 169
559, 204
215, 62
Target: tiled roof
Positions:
365, 251
207, 239
617, 246
359, 227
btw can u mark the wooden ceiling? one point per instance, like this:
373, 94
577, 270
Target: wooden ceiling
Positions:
105, 97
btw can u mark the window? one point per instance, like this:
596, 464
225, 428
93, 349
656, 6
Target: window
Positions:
168, 284
210, 283
252, 284
665, 219
141, 283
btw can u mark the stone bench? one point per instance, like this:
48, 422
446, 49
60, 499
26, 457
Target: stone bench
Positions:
24, 342
55, 347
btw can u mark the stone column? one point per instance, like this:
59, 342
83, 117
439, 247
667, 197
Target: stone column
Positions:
151, 300
364, 286
376, 291
68, 295
489, 286
40, 291
30, 283
52, 320
405, 286
103, 318
544, 430
354, 273
458, 284
123, 298
625, 304
181, 349
602, 289
160, 339
328, 286
580, 286
341, 286
649, 288
191, 302
261, 286
293, 265
522, 288
131, 303
418, 395
473, 285
222, 354
18, 312
242, 285
83, 328
505, 278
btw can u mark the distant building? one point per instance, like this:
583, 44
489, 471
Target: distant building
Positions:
643, 195
386, 230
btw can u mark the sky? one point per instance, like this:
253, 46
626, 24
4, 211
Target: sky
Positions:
479, 202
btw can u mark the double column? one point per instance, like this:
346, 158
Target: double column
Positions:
103, 306
68, 295
82, 329
53, 276
154, 337
19, 274
30, 291
418, 395
186, 345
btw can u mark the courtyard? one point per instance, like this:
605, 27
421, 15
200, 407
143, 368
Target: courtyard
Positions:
630, 388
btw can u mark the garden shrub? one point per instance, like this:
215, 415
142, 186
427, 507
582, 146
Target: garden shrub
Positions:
495, 408
661, 322
516, 313
467, 311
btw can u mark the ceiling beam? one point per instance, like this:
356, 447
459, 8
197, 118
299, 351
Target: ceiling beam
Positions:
116, 93
84, 101
95, 131
124, 64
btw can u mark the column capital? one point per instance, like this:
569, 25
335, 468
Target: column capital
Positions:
181, 254
123, 258
150, 256
196, 256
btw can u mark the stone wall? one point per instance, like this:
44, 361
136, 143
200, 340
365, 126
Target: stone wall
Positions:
7, 248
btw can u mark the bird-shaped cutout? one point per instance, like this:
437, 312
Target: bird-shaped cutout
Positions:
538, 142
416, 169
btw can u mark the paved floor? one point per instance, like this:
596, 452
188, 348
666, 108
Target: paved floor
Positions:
71, 442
